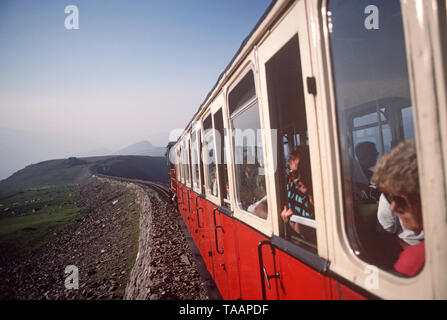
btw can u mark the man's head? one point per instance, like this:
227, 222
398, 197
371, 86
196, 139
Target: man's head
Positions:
396, 175
367, 154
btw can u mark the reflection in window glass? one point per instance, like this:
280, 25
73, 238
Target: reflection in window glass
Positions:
407, 117
210, 161
250, 178
221, 156
177, 164
195, 159
242, 93
187, 162
375, 114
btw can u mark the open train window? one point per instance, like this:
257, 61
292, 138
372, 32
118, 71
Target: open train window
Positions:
195, 160
221, 157
248, 148
181, 163
375, 115
288, 117
187, 163
210, 157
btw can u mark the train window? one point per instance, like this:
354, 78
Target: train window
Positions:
248, 150
210, 157
202, 176
288, 117
195, 160
181, 162
242, 93
177, 163
375, 115
187, 163
221, 157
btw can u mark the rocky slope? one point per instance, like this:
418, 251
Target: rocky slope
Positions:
127, 245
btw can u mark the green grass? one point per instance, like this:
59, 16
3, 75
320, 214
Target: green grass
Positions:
48, 174
32, 217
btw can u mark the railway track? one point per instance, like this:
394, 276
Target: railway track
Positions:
165, 193
161, 188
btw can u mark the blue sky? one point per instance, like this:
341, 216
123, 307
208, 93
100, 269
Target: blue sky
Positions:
134, 70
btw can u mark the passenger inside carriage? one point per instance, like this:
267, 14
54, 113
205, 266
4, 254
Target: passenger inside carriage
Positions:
298, 214
396, 176
253, 195
366, 153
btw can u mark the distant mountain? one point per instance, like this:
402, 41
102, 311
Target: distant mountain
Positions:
19, 148
55, 173
142, 148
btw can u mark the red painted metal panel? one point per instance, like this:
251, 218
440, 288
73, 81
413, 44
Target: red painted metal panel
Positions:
341, 292
298, 281
181, 202
205, 235
249, 269
218, 251
193, 216
203, 243
231, 258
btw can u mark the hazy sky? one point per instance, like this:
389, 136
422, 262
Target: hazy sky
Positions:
133, 71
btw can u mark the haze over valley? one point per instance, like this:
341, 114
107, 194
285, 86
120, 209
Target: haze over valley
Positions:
19, 148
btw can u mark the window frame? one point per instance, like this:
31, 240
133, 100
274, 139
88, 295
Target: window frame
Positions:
197, 132
262, 225
188, 176
212, 198
343, 261
297, 22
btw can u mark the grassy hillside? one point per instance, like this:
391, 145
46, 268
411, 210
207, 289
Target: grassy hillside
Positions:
66, 172
29, 218
134, 167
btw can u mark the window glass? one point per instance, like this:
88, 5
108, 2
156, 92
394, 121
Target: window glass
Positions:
375, 119
187, 163
249, 162
242, 93
182, 164
195, 159
221, 156
288, 117
210, 157
177, 164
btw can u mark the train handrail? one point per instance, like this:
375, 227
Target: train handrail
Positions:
189, 204
197, 212
265, 278
215, 231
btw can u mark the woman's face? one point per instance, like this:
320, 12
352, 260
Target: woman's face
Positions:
408, 210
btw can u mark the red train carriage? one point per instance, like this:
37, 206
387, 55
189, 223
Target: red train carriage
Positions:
329, 86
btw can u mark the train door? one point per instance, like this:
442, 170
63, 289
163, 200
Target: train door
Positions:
298, 245
196, 185
180, 188
188, 185
202, 219
224, 237
249, 189
210, 190
215, 193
